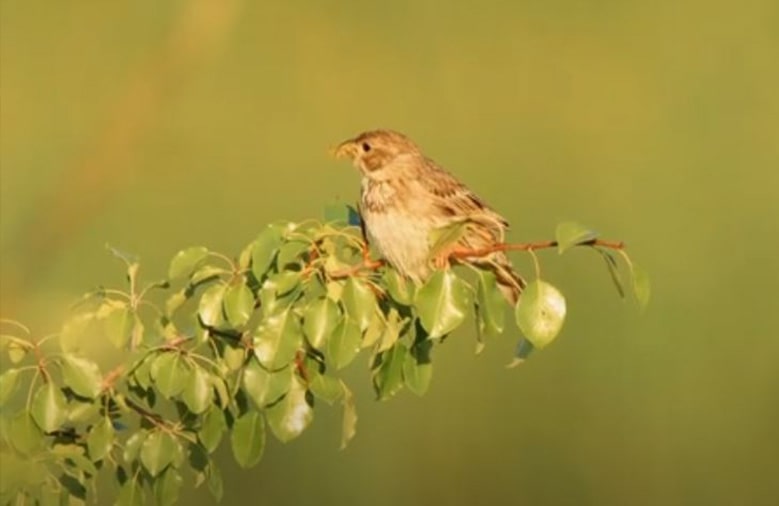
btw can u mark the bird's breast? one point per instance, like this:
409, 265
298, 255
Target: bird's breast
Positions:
394, 229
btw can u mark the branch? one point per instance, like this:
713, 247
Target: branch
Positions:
531, 246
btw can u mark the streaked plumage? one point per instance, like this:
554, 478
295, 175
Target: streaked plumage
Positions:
406, 196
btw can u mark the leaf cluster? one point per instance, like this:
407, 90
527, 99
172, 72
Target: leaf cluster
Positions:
228, 350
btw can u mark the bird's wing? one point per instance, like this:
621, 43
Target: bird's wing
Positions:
455, 200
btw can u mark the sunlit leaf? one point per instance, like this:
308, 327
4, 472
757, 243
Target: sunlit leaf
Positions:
130, 494
492, 305
327, 388
540, 313
399, 288
388, 379
49, 407
570, 233
132, 447
215, 484
319, 320
158, 451
100, 439
359, 302
443, 239
81, 375
349, 424
642, 288
392, 329
265, 248
611, 264
289, 417
443, 303
248, 439
198, 394
210, 307
167, 487
344, 343
74, 332
238, 303
8, 382
291, 252
170, 373
117, 322
418, 368
24, 433
212, 428
265, 387
277, 339
186, 261
83, 412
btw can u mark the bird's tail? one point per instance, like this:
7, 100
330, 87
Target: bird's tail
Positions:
510, 283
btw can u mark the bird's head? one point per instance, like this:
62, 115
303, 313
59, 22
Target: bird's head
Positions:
374, 150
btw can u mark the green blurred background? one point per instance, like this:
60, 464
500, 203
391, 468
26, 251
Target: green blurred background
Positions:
158, 125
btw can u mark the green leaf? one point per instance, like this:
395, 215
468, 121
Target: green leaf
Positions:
167, 487
359, 302
100, 439
327, 388
234, 356
215, 484
443, 303
418, 368
570, 233
264, 387
442, 239
198, 394
392, 329
49, 407
157, 451
238, 303
117, 322
24, 434
319, 320
611, 264
186, 261
540, 313
642, 288
16, 352
248, 439
291, 252
344, 343
388, 379
75, 331
211, 429
492, 305
83, 412
277, 340
170, 373
131, 494
399, 288
8, 382
210, 307
265, 248
349, 424
82, 376
132, 447
289, 417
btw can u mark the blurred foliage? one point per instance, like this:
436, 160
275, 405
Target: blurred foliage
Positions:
148, 124
240, 345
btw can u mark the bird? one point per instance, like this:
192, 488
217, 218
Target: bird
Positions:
406, 197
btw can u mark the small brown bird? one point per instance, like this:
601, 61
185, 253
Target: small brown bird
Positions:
406, 197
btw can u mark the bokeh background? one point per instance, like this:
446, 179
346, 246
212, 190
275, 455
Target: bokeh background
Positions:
158, 125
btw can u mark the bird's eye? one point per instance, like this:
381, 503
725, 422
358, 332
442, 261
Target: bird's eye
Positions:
366, 147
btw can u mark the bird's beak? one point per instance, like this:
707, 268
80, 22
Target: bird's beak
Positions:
347, 149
